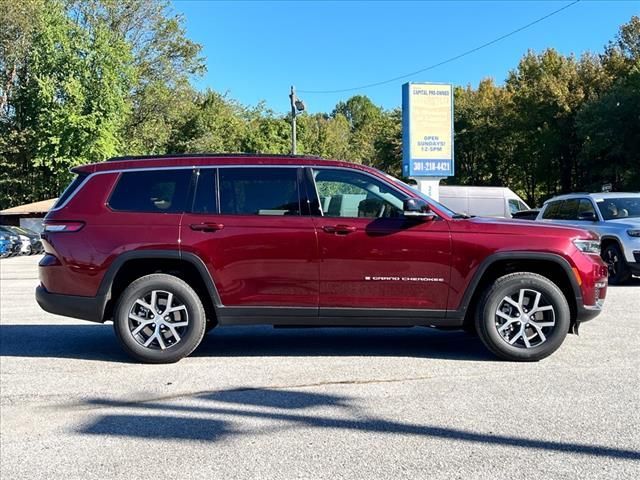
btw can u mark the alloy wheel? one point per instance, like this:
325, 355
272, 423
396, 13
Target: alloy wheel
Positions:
525, 319
612, 261
158, 320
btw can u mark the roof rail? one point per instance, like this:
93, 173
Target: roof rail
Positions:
207, 155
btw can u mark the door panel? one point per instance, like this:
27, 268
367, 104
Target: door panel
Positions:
384, 263
264, 259
369, 260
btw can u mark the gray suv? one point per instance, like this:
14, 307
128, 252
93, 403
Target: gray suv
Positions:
614, 216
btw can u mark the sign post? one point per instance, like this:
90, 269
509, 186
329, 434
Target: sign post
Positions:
427, 134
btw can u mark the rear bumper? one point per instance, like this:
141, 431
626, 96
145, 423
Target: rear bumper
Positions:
84, 308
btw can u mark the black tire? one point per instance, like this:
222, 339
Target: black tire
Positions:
191, 312
489, 324
619, 271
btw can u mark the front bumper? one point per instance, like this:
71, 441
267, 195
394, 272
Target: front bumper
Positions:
83, 308
588, 312
635, 266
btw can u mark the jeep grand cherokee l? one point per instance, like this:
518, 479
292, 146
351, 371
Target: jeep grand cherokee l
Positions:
169, 247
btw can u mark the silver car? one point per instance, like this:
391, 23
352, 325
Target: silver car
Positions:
614, 216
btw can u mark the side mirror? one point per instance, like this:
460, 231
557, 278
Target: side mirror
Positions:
417, 208
588, 217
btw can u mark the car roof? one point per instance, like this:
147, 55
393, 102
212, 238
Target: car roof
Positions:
594, 196
209, 159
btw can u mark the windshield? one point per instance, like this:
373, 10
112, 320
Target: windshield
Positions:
419, 194
23, 231
616, 208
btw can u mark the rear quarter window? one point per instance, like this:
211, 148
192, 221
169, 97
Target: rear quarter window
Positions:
158, 191
70, 190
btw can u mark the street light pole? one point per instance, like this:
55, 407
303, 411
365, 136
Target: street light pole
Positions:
294, 112
297, 107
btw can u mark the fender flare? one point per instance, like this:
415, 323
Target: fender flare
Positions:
614, 239
104, 291
519, 255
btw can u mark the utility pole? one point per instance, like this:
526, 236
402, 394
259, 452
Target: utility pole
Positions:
292, 96
297, 106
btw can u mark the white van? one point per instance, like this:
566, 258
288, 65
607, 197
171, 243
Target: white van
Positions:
482, 201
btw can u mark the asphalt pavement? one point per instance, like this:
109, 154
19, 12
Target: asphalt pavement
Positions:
255, 402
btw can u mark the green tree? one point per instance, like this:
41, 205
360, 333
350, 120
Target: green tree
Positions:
209, 122
608, 124
163, 59
547, 94
67, 105
483, 147
325, 136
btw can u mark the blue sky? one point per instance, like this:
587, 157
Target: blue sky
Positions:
256, 50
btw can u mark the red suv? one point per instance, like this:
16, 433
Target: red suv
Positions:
169, 247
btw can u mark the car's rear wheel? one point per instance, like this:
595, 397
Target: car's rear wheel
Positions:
523, 317
619, 271
159, 319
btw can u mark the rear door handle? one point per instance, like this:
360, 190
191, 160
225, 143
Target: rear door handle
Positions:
339, 229
207, 227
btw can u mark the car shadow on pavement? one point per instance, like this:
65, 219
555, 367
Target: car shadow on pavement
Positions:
221, 414
98, 342
387, 342
85, 342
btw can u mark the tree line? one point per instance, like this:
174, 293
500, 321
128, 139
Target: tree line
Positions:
85, 80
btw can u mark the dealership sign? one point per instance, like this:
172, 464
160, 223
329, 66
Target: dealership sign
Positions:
427, 130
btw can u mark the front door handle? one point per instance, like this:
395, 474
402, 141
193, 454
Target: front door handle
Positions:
207, 227
339, 229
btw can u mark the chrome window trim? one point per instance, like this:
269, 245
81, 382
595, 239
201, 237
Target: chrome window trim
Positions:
141, 169
201, 167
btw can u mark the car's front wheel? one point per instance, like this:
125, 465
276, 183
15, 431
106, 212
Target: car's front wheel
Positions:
159, 318
523, 317
616, 264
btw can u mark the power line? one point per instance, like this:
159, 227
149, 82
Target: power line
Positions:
448, 60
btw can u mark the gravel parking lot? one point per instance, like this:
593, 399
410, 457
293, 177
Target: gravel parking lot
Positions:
282, 404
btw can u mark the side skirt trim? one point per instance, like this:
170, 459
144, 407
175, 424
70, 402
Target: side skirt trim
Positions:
334, 317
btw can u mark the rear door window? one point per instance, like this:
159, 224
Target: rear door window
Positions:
569, 209
153, 191
552, 210
259, 191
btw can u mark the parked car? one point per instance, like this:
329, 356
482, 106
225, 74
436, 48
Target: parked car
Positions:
168, 247
31, 242
25, 243
614, 216
13, 239
526, 215
497, 202
6, 247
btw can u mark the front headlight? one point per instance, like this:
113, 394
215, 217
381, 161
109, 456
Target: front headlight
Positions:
634, 233
588, 246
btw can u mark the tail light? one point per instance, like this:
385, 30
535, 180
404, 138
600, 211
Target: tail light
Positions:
63, 226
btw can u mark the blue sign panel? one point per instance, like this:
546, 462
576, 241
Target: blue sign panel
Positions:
427, 130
